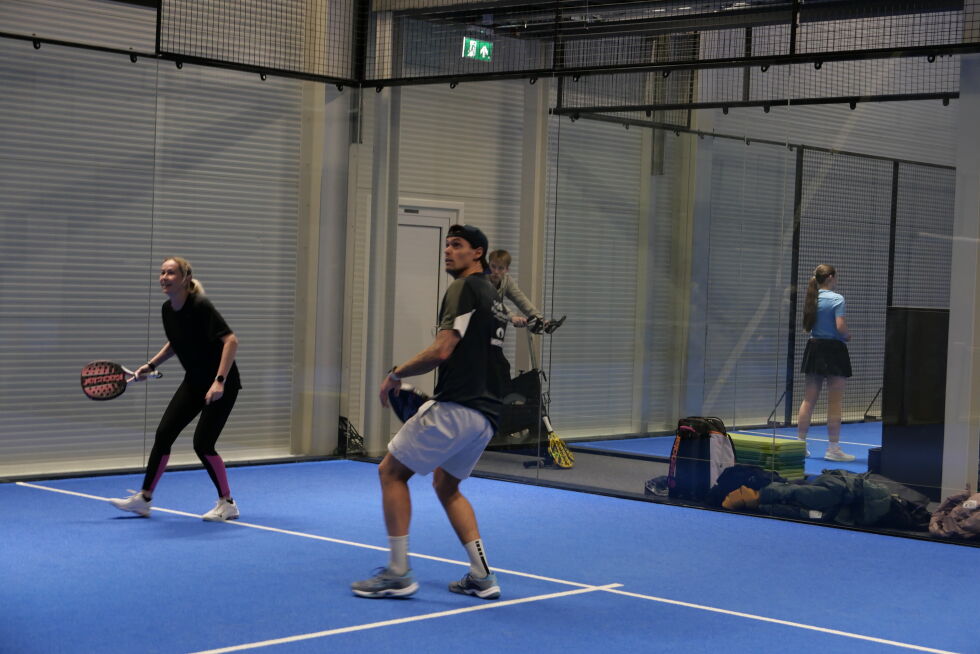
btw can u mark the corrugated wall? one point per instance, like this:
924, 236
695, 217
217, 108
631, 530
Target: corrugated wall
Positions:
106, 166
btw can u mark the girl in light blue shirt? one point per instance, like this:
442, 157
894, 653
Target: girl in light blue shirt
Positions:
825, 357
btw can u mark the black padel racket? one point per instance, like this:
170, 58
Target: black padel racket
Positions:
105, 380
408, 401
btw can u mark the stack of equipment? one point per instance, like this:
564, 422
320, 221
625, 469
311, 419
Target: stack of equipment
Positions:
785, 456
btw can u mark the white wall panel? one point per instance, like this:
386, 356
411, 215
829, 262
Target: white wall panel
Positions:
105, 167
591, 276
923, 130
102, 23
749, 262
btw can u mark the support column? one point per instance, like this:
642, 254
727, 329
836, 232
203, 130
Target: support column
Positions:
692, 237
534, 204
320, 270
643, 318
961, 442
382, 242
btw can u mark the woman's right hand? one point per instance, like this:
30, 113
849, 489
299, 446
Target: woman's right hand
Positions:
141, 372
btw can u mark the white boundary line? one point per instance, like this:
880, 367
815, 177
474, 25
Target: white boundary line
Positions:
798, 625
338, 541
582, 588
414, 618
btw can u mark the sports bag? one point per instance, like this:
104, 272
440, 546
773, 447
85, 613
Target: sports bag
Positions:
702, 450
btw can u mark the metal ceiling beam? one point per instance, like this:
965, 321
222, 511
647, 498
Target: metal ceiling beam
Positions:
537, 20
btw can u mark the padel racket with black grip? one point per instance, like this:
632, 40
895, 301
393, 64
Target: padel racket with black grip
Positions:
406, 404
105, 380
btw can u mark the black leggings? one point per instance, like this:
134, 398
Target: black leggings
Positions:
184, 406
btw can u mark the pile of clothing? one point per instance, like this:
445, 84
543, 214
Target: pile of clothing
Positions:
957, 517
838, 496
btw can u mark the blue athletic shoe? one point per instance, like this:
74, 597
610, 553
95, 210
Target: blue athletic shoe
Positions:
385, 584
485, 588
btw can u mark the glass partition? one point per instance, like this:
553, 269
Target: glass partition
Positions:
666, 256
110, 165
681, 258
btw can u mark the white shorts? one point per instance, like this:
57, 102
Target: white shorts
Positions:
443, 435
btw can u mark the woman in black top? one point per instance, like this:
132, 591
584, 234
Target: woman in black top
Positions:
206, 348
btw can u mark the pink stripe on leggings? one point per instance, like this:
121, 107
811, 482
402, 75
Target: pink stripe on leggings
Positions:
159, 473
219, 472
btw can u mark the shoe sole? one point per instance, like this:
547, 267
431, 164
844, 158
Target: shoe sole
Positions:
487, 593
388, 592
235, 517
139, 513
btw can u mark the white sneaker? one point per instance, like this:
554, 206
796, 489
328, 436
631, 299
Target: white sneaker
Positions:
135, 503
837, 455
223, 510
805, 448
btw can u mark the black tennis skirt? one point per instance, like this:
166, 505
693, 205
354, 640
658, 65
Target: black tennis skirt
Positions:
826, 356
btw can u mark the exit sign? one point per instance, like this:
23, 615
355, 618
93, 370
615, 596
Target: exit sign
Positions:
479, 50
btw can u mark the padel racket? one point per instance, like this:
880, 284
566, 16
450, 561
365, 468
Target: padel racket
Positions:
105, 380
406, 404
557, 449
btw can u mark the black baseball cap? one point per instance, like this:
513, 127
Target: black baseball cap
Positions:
475, 237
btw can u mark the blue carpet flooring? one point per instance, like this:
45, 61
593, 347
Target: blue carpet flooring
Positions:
78, 576
856, 439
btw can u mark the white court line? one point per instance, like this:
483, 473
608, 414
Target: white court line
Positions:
98, 498
583, 588
798, 625
414, 618
301, 534
809, 438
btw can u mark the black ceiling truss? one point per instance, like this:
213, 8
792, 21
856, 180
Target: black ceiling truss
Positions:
538, 20
577, 40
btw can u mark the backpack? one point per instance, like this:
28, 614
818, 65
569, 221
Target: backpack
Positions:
702, 450
519, 421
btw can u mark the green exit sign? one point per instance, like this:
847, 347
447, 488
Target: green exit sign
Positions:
479, 50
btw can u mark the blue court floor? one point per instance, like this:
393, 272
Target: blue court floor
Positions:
579, 573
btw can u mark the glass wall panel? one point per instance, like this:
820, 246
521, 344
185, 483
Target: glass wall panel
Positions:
108, 166
683, 258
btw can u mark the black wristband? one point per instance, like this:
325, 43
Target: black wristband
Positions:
220, 378
152, 366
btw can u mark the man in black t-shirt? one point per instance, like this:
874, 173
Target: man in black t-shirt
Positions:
449, 432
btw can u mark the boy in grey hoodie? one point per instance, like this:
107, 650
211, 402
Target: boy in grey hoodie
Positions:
507, 288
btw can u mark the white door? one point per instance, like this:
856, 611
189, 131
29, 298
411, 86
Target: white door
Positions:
420, 281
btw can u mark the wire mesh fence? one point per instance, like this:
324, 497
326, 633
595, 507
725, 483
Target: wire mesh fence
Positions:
866, 217
607, 35
728, 51
315, 38
837, 81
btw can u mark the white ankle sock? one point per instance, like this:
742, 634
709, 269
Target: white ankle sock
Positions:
398, 555
478, 559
